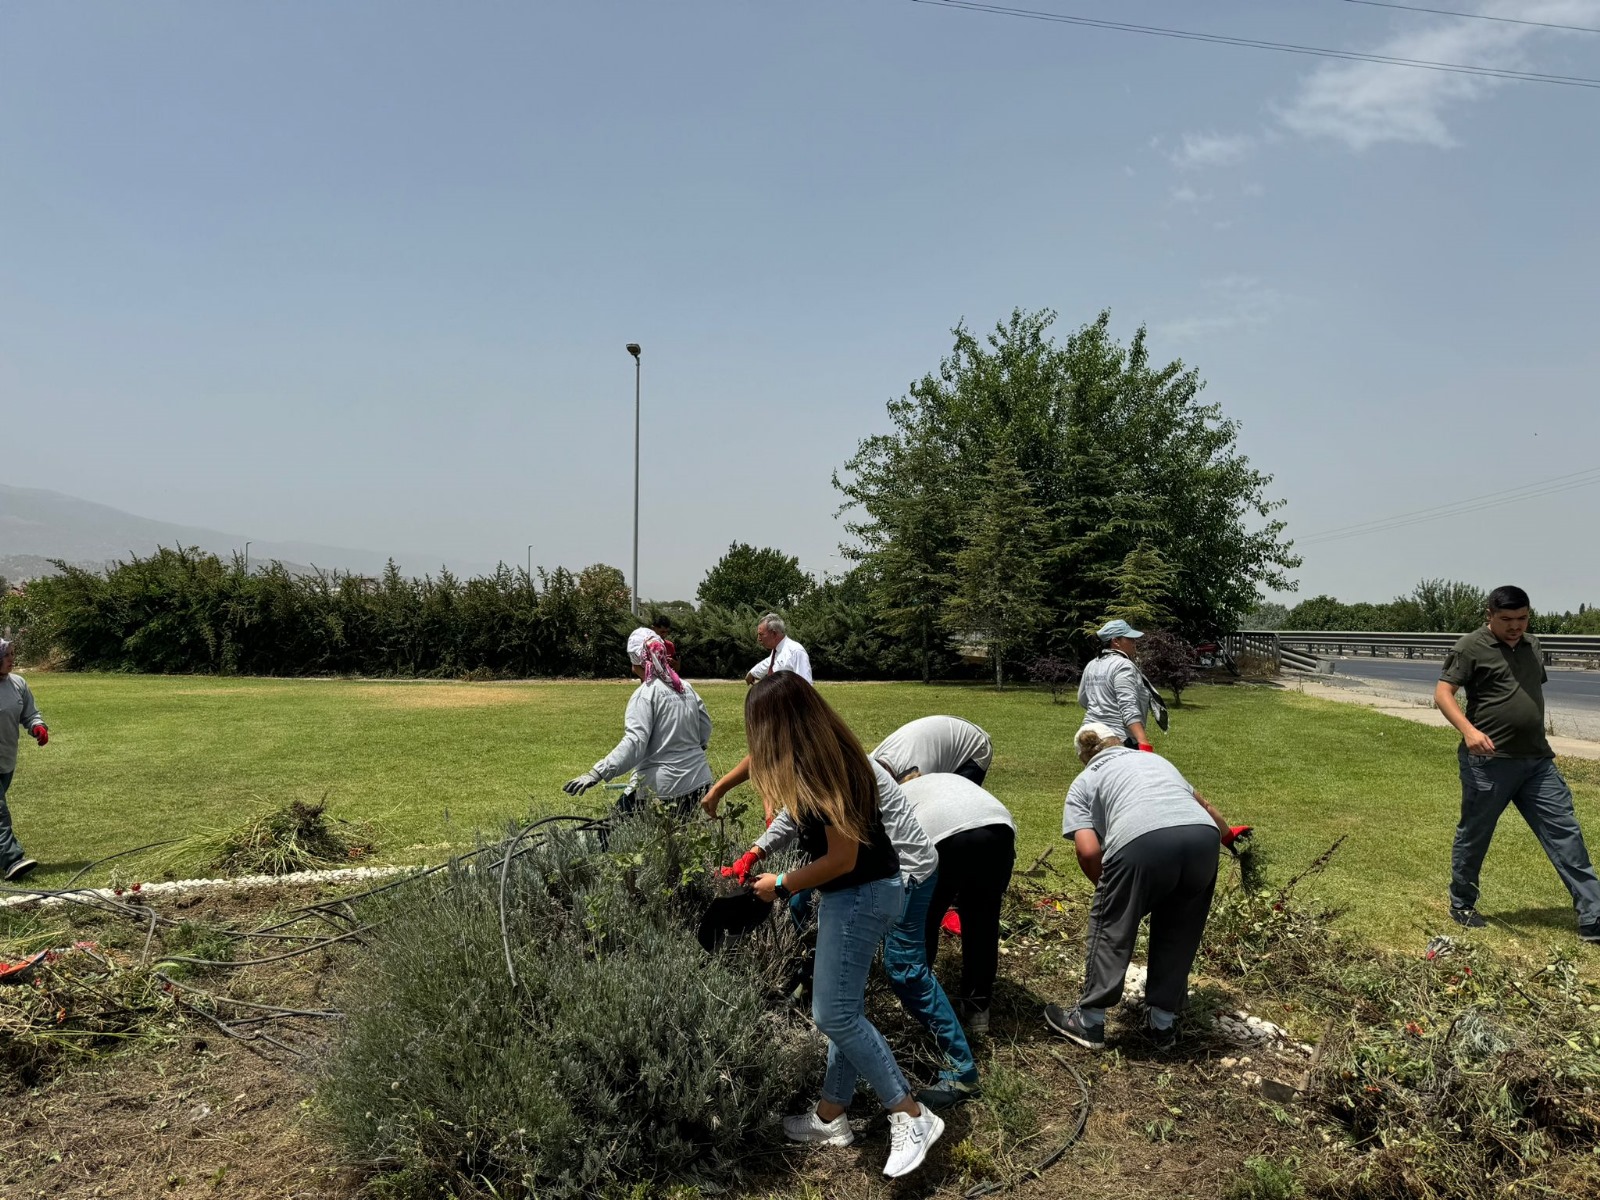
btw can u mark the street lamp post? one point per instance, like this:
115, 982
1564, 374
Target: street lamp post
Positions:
530, 565
247, 558
633, 349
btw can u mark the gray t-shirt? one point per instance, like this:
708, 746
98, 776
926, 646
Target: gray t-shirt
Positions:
918, 859
1124, 794
664, 740
934, 746
946, 805
1112, 691
17, 712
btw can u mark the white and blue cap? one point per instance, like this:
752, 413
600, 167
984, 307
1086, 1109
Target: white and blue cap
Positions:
1116, 629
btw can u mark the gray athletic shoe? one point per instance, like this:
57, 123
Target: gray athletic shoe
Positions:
20, 868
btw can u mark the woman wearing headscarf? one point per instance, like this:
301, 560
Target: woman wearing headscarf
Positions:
809, 765
1148, 842
666, 730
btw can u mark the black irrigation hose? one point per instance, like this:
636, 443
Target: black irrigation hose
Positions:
120, 854
275, 1011
255, 962
992, 1187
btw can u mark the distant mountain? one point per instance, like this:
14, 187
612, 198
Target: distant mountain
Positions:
36, 525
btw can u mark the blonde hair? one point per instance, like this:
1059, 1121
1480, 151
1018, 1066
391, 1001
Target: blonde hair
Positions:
1090, 742
804, 757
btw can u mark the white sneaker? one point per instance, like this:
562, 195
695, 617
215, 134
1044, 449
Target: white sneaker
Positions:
808, 1127
909, 1141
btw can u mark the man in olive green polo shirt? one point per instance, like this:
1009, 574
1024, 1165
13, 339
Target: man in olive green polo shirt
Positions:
1506, 759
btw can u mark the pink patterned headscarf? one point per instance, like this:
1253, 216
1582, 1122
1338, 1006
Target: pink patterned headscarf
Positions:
647, 650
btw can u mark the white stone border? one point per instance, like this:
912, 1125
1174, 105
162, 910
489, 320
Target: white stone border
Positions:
179, 886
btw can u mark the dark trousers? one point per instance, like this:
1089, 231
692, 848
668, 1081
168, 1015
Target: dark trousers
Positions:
974, 871
971, 770
1168, 875
683, 807
1545, 802
10, 848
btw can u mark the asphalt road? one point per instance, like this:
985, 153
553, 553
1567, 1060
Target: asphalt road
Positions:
1568, 687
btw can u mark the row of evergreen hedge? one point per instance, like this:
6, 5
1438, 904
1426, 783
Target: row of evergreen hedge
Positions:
184, 611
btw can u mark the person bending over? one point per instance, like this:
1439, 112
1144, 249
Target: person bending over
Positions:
976, 840
666, 730
1148, 842
936, 746
808, 762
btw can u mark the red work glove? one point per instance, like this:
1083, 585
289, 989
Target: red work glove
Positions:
1234, 834
951, 923
40, 733
1147, 746
741, 869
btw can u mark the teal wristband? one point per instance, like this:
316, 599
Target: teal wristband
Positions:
783, 892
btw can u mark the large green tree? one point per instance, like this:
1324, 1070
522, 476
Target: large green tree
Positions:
1116, 452
1000, 572
759, 578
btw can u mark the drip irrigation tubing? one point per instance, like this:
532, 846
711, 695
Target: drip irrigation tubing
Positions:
120, 854
995, 1187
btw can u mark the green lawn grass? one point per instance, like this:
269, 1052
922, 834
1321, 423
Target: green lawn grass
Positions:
133, 759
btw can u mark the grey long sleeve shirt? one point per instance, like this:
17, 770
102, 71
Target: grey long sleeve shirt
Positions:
664, 740
1112, 692
918, 859
17, 712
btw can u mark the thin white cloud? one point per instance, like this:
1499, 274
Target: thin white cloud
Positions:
1184, 194
1200, 151
1234, 302
1253, 189
1365, 104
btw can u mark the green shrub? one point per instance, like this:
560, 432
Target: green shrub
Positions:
1265, 1178
623, 1053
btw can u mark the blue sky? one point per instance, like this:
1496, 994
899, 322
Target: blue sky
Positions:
361, 273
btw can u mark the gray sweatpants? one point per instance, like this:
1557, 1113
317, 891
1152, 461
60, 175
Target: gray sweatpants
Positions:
1168, 875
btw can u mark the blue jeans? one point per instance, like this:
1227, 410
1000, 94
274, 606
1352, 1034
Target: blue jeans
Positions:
10, 848
905, 960
1545, 802
850, 925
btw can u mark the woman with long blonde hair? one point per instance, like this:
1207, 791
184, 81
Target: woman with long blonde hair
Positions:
806, 761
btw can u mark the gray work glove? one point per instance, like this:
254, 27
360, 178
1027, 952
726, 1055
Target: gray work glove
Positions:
580, 785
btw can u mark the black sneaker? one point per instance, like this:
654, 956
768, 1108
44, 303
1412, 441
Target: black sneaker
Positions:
1589, 933
1069, 1023
1467, 918
20, 868
948, 1093
1162, 1039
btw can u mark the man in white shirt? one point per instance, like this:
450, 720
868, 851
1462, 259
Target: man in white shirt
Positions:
783, 652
